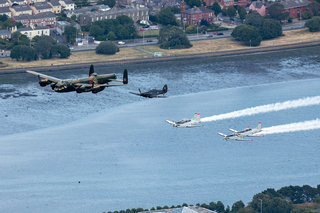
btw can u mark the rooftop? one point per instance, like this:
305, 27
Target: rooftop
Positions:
19, 8
294, 3
5, 10
42, 6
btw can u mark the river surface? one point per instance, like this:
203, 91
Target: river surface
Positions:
93, 153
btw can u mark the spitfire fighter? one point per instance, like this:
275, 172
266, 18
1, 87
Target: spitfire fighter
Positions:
187, 123
94, 83
154, 93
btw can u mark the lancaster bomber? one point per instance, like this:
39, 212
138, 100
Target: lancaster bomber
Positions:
154, 93
94, 83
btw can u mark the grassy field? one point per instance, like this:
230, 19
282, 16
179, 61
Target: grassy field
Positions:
204, 46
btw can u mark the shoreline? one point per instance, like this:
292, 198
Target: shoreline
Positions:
225, 53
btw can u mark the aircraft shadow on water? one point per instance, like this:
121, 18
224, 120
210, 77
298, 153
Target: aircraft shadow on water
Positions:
94, 83
154, 93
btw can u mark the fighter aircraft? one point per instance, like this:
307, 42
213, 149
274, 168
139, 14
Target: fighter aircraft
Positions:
94, 83
187, 123
234, 137
248, 132
154, 93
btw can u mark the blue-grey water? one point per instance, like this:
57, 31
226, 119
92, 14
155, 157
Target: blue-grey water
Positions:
93, 153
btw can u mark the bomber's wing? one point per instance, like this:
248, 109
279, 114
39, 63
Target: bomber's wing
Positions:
135, 93
43, 76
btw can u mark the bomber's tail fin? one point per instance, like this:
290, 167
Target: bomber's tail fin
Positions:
91, 70
165, 88
125, 76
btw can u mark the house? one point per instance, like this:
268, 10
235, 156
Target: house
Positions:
4, 3
226, 3
5, 11
88, 9
56, 6
41, 8
60, 26
20, 10
242, 3
295, 8
33, 32
140, 13
259, 7
19, 2
40, 19
5, 34
193, 16
67, 4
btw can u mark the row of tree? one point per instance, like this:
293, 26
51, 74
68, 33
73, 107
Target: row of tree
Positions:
256, 29
270, 200
43, 47
113, 29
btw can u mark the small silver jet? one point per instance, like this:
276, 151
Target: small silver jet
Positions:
248, 132
234, 137
187, 123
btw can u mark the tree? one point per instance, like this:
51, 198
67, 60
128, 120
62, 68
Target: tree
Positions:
63, 51
70, 34
216, 8
314, 8
193, 3
22, 52
45, 46
96, 31
249, 35
220, 207
107, 48
270, 29
306, 15
276, 11
110, 3
172, 37
18, 39
166, 17
313, 24
254, 19
231, 12
111, 36
242, 13
237, 206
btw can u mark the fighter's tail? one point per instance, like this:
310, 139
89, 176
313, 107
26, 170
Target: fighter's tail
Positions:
91, 70
125, 76
259, 126
165, 89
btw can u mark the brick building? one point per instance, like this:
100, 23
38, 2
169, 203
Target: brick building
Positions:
295, 7
193, 16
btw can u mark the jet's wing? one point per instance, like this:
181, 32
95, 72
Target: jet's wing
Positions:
170, 122
243, 139
39, 75
232, 130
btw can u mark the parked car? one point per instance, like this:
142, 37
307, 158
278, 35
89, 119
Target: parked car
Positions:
210, 36
121, 42
149, 40
220, 33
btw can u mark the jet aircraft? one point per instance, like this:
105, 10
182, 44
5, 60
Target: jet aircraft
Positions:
233, 137
187, 123
94, 83
154, 93
248, 132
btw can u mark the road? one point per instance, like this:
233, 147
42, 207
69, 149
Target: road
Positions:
193, 37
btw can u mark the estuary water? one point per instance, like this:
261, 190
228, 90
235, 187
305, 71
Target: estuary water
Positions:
93, 153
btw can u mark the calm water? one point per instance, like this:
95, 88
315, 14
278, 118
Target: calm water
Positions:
114, 151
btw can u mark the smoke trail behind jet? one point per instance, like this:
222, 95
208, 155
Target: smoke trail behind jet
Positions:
309, 101
293, 127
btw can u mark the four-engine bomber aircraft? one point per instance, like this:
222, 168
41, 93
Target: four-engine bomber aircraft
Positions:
187, 123
154, 93
94, 83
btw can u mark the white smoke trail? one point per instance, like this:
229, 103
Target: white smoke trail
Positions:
265, 108
293, 127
